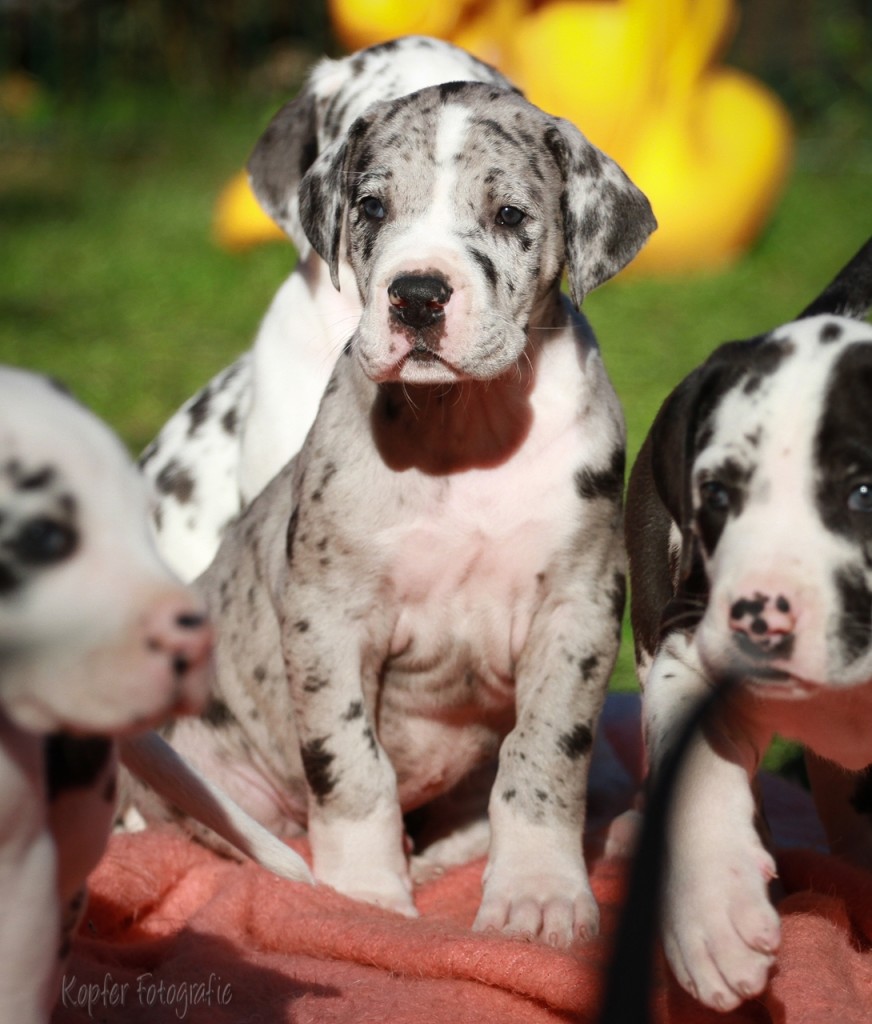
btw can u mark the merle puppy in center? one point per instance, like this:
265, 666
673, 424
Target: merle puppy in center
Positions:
438, 576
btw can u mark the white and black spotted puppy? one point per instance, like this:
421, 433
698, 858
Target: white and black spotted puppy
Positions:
439, 575
223, 446
97, 641
749, 526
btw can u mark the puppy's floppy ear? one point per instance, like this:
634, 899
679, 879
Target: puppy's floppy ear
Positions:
677, 431
283, 154
322, 205
606, 219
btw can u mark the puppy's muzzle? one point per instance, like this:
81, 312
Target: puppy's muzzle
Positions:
763, 625
419, 300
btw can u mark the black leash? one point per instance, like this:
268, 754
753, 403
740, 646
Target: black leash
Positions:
627, 997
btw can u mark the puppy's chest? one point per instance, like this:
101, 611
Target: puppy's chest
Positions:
466, 577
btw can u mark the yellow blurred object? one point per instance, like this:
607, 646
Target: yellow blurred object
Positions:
712, 176
709, 145
239, 221
589, 62
488, 30
360, 23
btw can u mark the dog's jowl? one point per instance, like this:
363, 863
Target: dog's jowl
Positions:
438, 577
749, 523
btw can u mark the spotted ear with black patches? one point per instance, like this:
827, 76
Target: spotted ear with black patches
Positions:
283, 154
606, 218
322, 202
324, 194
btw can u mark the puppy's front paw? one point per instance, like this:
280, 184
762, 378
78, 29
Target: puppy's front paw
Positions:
556, 906
382, 888
364, 860
721, 932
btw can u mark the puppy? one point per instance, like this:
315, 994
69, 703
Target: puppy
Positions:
750, 542
97, 642
438, 577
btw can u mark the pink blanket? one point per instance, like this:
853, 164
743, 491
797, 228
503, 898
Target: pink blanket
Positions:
174, 932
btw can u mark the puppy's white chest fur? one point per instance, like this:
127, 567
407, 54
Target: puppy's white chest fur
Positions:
469, 571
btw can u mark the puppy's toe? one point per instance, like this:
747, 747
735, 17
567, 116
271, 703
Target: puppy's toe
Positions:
554, 910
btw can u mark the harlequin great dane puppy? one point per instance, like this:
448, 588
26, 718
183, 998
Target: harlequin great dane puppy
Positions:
223, 446
438, 575
749, 527
97, 641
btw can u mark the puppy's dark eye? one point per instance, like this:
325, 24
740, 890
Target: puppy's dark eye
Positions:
510, 216
373, 208
43, 541
715, 496
860, 499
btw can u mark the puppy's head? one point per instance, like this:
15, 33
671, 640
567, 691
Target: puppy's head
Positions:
774, 495
334, 95
95, 636
457, 208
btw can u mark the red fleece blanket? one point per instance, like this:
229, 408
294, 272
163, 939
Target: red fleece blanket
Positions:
174, 932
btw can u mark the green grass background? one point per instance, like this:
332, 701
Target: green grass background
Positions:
109, 278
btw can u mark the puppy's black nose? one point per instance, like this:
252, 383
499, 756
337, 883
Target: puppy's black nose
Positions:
419, 300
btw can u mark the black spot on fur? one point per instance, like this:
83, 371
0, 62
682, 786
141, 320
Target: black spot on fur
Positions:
326, 477
448, 90
487, 265
176, 480
291, 534
314, 683
316, 764
353, 711
301, 625
509, 795
577, 743
855, 626
369, 736
149, 453
198, 411
494, 130
830, 332
259, 673
217, 714
73, 762
588, 666
603, 483
230, 421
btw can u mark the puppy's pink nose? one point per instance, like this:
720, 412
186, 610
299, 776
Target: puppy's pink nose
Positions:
176, 626
763, 623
